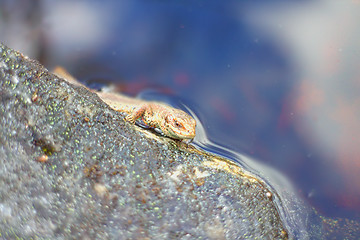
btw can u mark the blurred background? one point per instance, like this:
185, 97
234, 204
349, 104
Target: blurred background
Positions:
277, 80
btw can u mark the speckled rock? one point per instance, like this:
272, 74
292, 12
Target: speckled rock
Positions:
71, 168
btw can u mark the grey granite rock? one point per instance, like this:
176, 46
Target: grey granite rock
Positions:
71, 168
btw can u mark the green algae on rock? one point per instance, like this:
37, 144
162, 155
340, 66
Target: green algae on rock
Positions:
72, 168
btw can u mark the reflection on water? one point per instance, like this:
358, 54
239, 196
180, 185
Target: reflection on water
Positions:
322, 108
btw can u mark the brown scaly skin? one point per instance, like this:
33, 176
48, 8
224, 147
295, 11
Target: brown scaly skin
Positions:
172, 122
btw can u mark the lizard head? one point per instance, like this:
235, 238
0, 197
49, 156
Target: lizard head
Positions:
179, 125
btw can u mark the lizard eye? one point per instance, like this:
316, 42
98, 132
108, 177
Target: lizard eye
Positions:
172, 120
178, 124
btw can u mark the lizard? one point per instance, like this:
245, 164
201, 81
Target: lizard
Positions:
172, 122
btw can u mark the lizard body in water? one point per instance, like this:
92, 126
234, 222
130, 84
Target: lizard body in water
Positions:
172, 122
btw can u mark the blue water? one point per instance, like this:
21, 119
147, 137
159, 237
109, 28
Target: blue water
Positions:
274, 83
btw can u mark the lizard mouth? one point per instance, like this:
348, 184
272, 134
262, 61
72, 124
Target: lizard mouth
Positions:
184, 135
187, 137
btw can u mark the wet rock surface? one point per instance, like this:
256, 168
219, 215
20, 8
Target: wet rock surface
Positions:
71, 168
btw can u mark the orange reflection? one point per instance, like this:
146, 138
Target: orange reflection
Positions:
340, 114
310, 96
